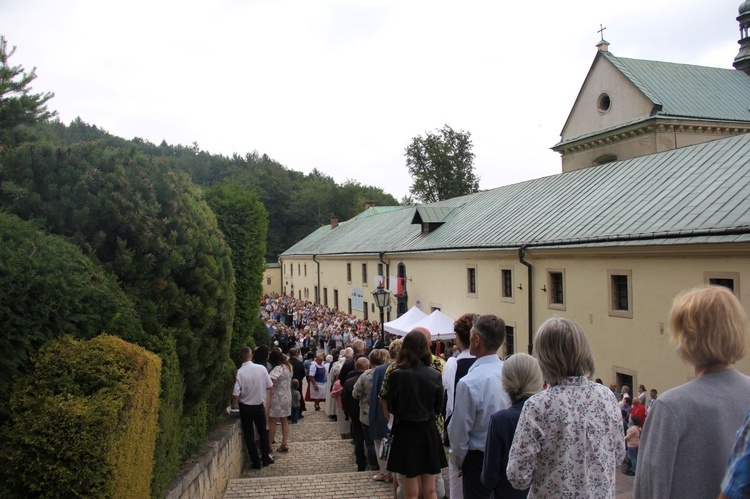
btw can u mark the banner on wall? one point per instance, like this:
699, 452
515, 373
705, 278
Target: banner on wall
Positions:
357, 296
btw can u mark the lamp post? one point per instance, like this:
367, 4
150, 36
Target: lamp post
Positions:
381, 300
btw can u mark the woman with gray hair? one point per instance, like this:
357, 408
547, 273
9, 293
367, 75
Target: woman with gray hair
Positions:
569, 439
522, 378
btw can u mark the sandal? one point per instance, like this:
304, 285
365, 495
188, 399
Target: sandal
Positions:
379, 477
283, 448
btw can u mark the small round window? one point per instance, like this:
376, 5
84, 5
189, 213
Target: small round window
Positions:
603, 103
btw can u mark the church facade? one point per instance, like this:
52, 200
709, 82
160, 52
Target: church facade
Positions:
654, 199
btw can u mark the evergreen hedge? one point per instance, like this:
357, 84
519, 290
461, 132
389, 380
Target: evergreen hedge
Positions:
49, 288
84, 422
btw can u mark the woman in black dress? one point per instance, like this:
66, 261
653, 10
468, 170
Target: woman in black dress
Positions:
415, 397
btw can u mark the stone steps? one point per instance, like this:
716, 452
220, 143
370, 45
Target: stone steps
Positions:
318, 464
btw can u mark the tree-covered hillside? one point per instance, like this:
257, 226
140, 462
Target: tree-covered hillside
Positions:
296, 203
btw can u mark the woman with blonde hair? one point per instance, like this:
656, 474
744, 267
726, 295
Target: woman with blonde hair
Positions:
690, 430
569, 439
281, 398
522, 378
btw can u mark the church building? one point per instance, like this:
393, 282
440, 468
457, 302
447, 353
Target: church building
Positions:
653, 199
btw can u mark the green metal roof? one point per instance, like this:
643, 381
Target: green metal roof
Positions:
376, 210
690, 195
689, 91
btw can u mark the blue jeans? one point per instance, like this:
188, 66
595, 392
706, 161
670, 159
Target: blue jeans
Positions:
633, 453
295, 414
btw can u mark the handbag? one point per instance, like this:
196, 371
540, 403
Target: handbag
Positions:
385, 447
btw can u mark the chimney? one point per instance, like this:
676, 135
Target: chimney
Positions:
334, 222
369, 204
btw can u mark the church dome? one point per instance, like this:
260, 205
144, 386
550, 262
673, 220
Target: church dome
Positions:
744, 7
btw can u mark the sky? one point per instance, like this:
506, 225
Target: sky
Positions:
345, 85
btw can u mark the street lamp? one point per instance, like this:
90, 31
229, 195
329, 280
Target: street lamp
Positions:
381, 300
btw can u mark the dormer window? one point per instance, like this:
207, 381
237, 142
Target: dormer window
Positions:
430, 218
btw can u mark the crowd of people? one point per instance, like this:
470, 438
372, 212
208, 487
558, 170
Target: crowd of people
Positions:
525, 426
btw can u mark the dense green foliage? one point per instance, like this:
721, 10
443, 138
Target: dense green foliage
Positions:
244, 222
148, 226
84, 422
50, 289
296, 203
441, 165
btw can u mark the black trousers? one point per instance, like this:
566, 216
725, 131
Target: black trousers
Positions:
472, 474
255, 415
358, 435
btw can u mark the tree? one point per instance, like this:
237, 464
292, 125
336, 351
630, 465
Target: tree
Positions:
244, 222
18, 106
441, 164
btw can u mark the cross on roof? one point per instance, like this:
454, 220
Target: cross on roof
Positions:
601, 31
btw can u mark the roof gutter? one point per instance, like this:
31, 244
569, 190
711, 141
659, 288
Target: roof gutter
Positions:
723, 231
521, 256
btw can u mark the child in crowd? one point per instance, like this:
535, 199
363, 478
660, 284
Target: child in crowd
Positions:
296, 397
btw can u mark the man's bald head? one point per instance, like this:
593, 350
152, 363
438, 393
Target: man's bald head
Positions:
348, 353
425, 332
359, 347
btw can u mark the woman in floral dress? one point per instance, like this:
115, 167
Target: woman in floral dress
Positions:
281, 398
569, 440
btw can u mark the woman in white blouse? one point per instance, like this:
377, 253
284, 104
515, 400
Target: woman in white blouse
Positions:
569, 439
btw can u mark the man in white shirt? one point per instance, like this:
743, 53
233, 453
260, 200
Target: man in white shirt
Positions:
250, 389
456, 368
478, 396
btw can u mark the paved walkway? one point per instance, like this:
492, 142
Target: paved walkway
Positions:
321, 465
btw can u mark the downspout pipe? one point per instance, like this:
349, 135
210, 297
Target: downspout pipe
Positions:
317, 271
521, 258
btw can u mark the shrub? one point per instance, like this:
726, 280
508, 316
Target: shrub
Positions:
49, 288
83, 422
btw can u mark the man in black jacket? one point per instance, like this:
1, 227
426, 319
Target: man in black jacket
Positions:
359, 351
351, 411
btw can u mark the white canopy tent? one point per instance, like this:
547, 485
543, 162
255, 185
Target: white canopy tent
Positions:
402, 325
438, 324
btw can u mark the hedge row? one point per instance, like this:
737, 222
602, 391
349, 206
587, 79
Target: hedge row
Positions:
84, 422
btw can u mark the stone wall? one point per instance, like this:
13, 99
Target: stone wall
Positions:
207, 474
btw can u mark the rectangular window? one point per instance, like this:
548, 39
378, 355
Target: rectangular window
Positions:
298, 269
506, 285
471, 281
365, 310
317, 296
350, 306
268, 280
325, 297
364, 273
730, 280
336, 299
380, 269
620, 293
291, 269
556, 289
305, 270
349, 273
300, 294
510, 340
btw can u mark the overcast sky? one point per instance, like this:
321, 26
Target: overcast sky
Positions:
343, 86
